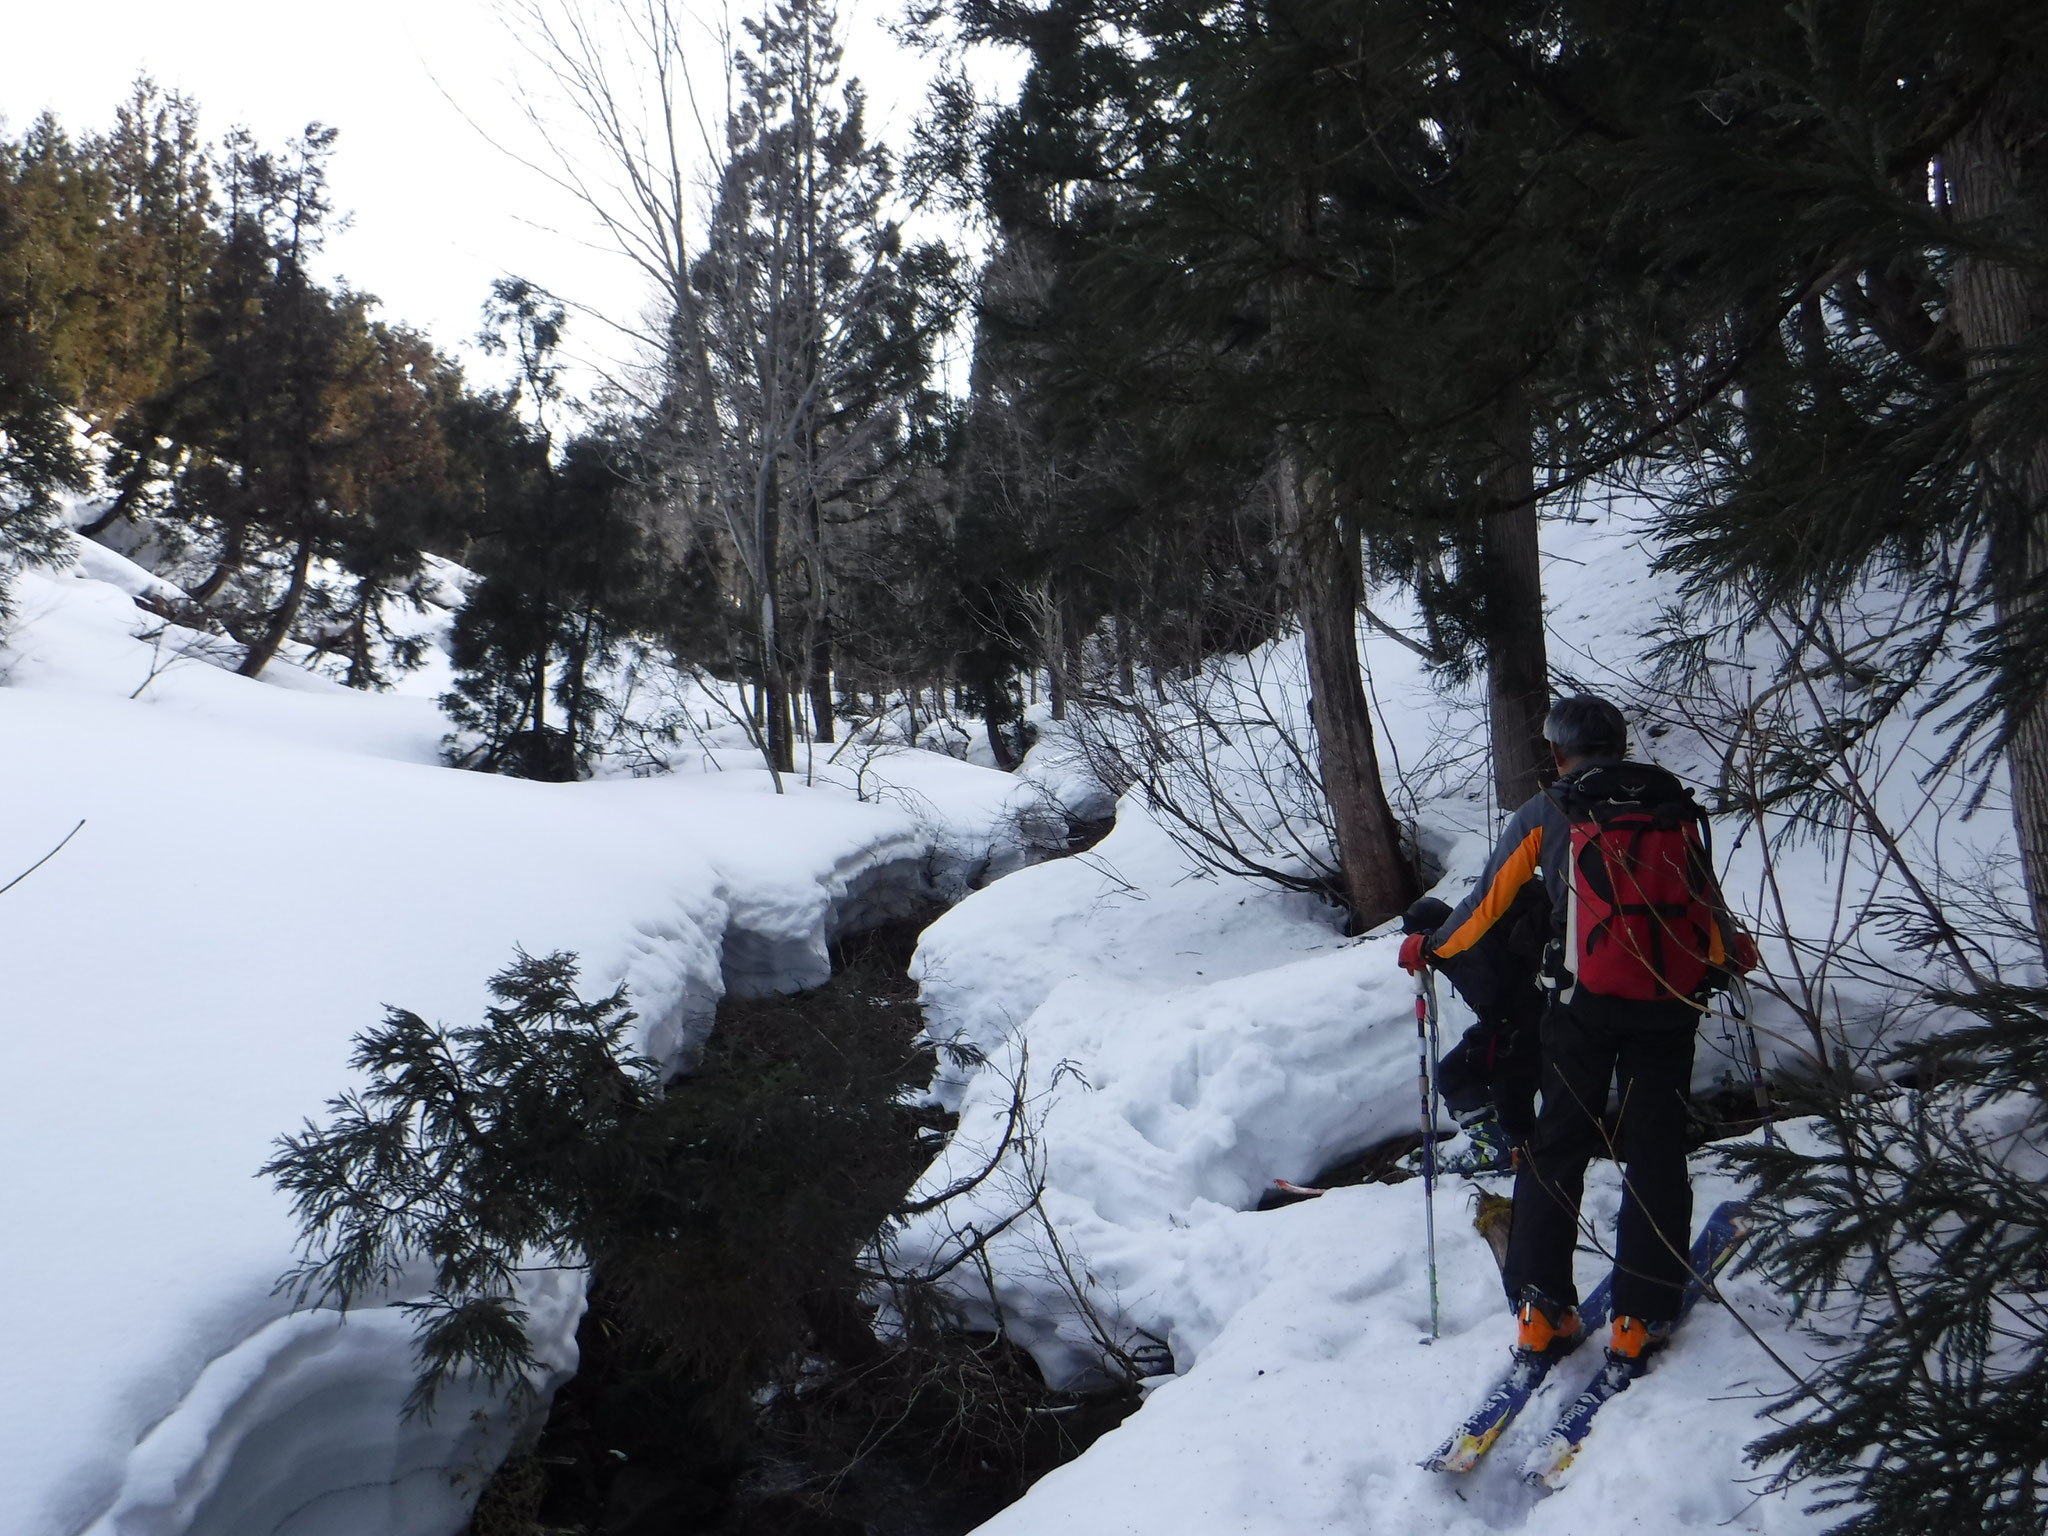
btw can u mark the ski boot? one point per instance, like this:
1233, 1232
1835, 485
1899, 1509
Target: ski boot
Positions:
1544, 1329
1482, 1147
1631, 1341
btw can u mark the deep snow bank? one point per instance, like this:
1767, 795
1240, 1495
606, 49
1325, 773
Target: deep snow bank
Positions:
263, 867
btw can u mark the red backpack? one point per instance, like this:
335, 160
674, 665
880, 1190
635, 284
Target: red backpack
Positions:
1641, 892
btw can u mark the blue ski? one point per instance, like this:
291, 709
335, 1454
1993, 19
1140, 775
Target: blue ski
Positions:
1475, 1437
1555, 1452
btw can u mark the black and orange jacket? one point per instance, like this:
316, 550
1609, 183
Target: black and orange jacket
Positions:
1536, 844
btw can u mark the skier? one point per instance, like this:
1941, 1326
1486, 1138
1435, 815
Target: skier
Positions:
1640, 936
1488, 1079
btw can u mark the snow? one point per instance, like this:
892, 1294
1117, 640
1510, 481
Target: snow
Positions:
263, 867
1172, 1039
1309, 1408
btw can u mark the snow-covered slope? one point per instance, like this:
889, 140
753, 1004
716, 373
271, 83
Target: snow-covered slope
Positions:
1183, 1038
262, 867
1307, 1401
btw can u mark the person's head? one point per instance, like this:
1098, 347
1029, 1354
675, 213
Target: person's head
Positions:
1584, 728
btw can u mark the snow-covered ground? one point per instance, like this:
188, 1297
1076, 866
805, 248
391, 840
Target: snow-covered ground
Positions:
262, 867
1309, 1393
1184, 1037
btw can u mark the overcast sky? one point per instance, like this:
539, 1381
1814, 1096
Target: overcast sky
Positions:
437, 212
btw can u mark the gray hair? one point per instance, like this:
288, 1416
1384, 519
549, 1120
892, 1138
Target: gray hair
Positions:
1585, 726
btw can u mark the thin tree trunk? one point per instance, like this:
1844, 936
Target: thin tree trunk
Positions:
1055, 657
230, 561
1126, 669
359, 641
999, 743
132, 485
283, 618
780, 751
579, 662
821, 675
1517, 666
1325, 565
1998, 309
1070, 630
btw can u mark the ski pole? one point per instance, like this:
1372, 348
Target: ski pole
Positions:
1425, 1030
1739, 1005
1740, 1035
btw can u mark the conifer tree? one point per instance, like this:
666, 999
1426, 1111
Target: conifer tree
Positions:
37, 268
565, 560
1371, 272
803, 345
1869, 221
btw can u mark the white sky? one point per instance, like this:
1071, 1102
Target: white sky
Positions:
437, 213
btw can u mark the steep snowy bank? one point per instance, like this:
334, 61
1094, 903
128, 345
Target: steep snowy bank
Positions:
263, 867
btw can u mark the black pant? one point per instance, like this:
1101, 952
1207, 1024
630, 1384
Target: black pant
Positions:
1497, 1063
1588, 1043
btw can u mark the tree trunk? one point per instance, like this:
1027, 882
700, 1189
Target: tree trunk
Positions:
1997, 310
781, 743
1517, 666
578, 663
230, 561
359, 672
283, 618
999, 744
1378, 882
1126, 668
821, 676
1070, 631
1055, 657
777, 746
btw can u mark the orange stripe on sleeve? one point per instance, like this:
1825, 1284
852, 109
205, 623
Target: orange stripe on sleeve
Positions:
1515, 872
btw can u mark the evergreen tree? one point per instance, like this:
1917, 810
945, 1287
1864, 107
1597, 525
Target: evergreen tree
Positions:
722, 1219
1866, 200
37, 458
1919, 1213
565, 560
565, 571
802, 347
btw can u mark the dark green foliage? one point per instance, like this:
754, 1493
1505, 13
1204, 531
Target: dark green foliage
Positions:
566, 570
722, 1221
726, 1225
1863, 436
565, 562
44, 214
483, 1149
1916, 1224
288, 445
